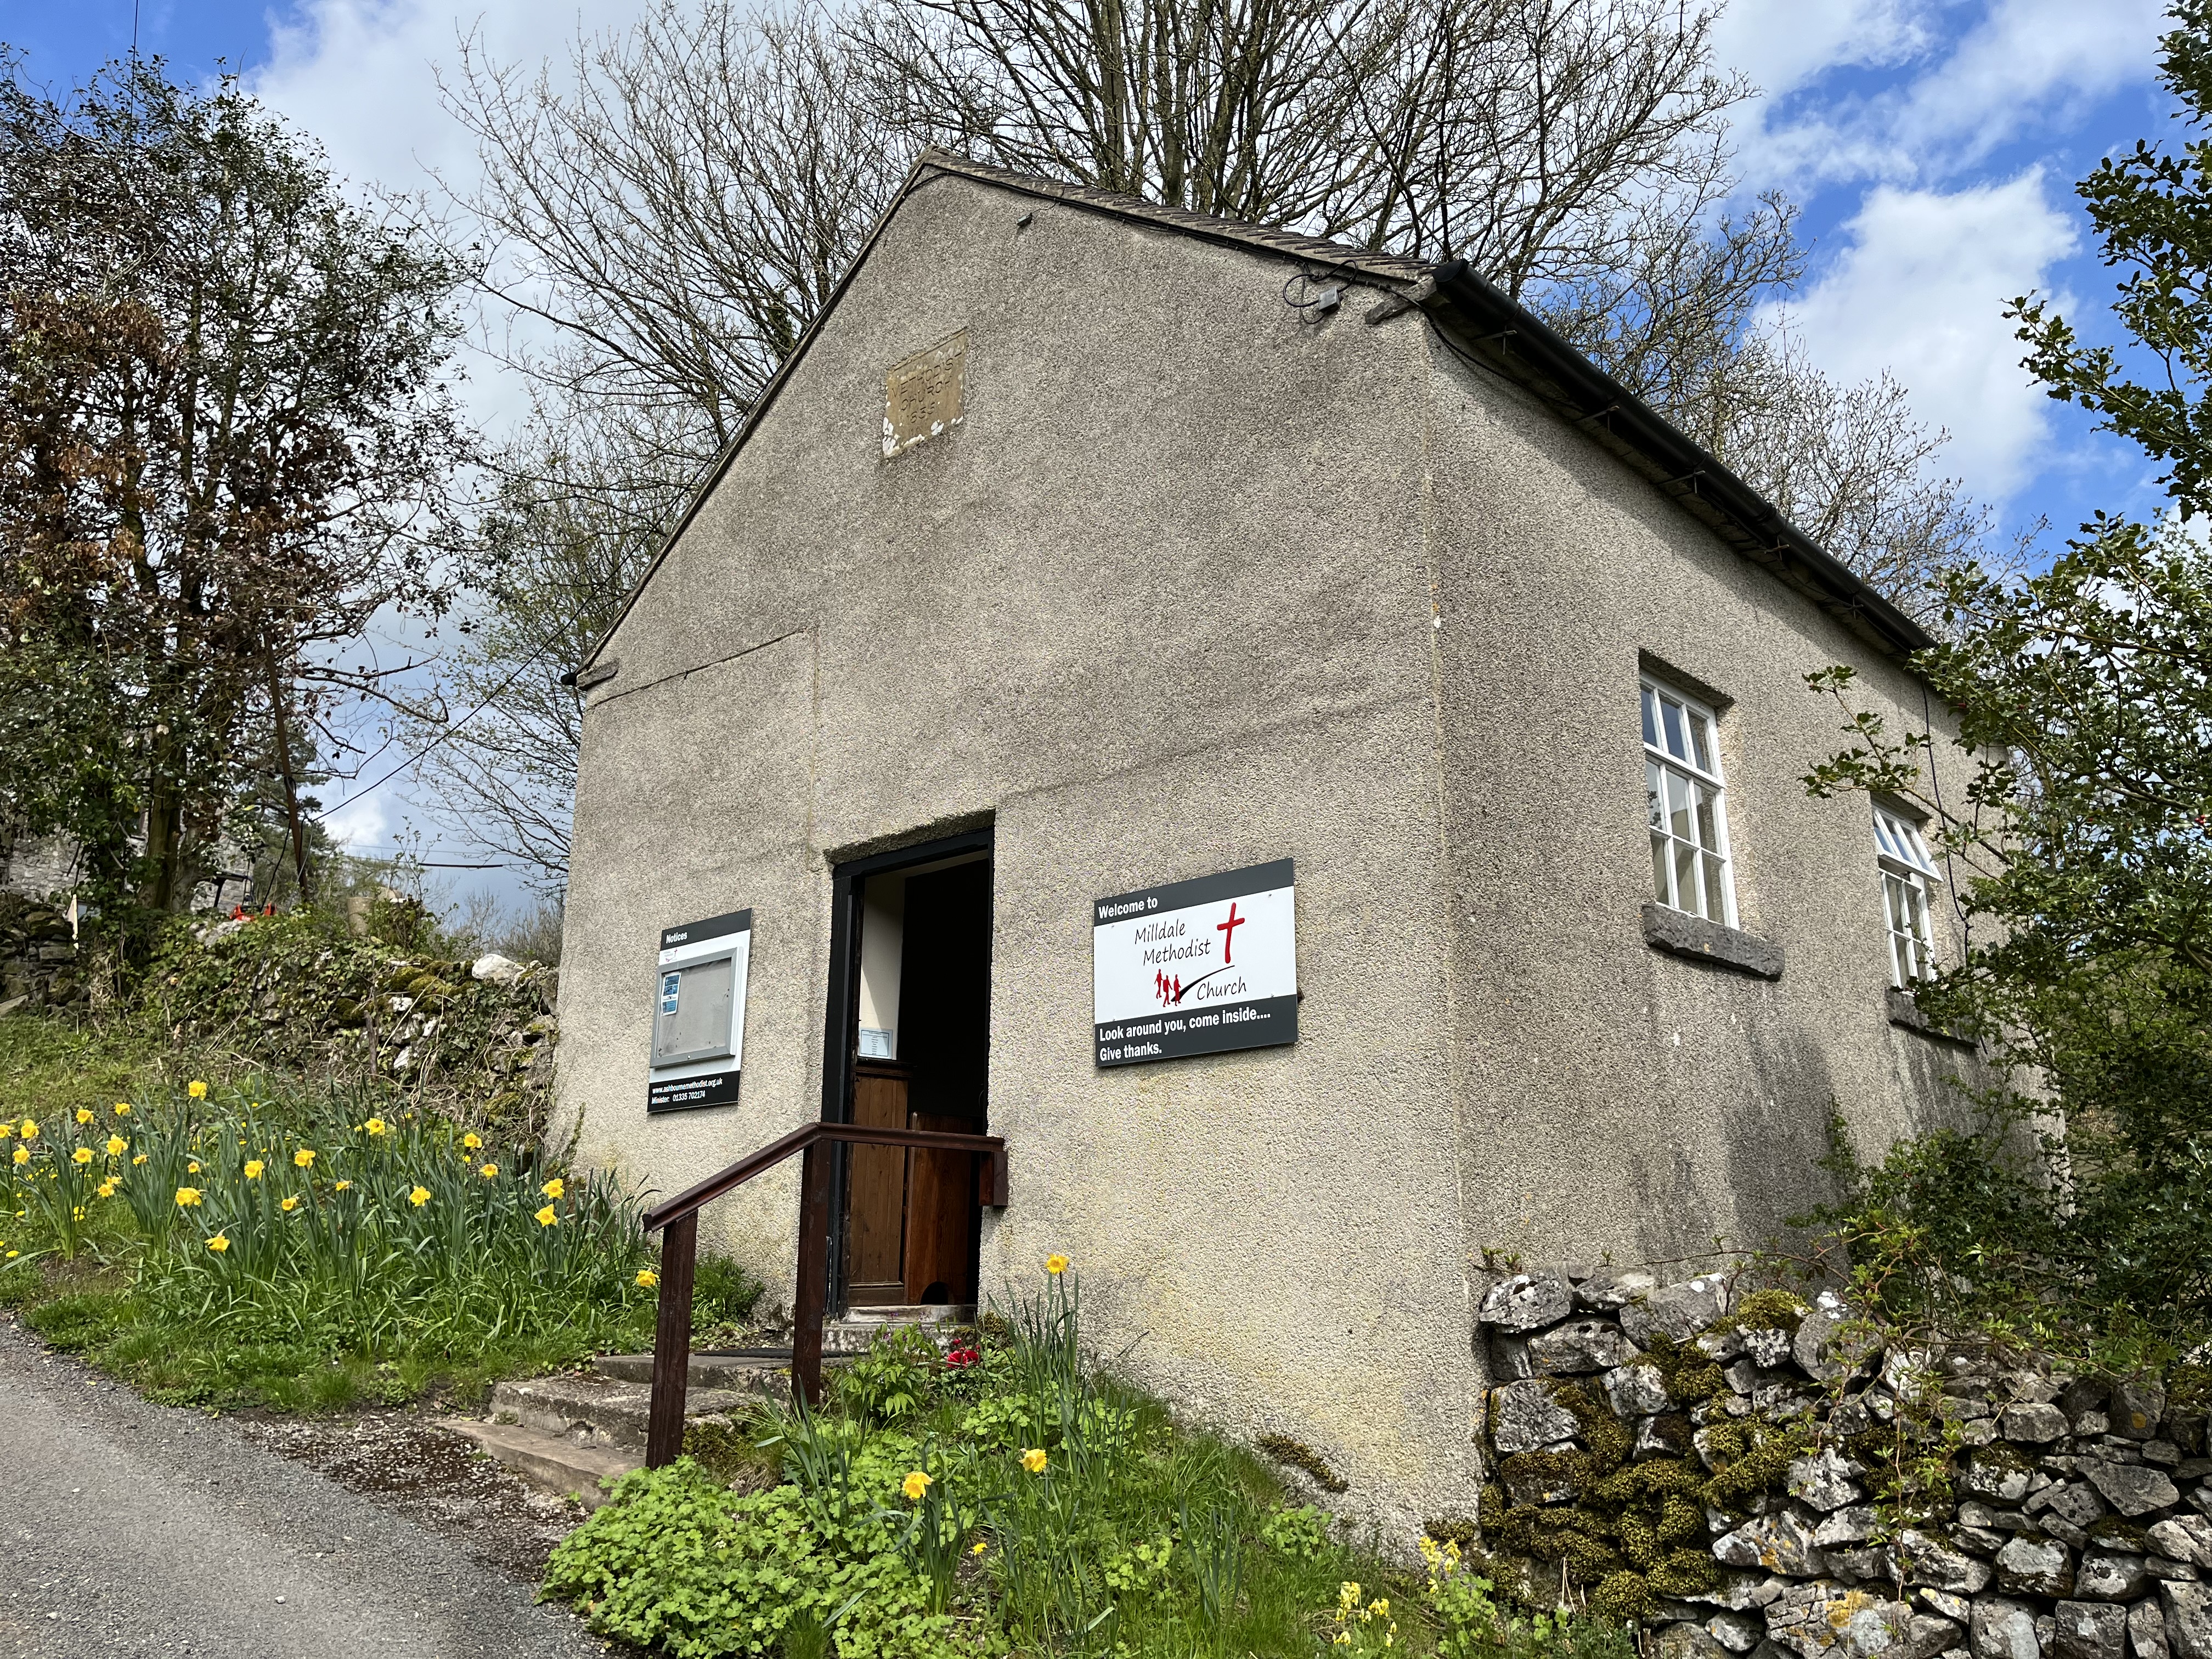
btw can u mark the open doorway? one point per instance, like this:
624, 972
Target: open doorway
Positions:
917, 1027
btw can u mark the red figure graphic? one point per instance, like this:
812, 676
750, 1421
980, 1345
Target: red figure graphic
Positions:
1228, 931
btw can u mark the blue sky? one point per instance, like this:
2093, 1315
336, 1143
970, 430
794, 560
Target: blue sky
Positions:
1932, 144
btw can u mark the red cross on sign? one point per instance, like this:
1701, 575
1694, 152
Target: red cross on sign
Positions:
1228, 931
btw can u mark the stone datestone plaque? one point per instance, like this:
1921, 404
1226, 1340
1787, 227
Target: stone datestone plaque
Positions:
923, 396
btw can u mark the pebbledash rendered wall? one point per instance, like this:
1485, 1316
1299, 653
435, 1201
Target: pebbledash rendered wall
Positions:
1163, 604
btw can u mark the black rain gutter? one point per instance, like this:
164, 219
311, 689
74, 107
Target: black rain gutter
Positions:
1521, 345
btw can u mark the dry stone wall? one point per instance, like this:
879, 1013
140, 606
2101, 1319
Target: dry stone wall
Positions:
38, 964
1750, 1473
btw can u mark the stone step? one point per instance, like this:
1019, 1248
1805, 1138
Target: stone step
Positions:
765, 1372
940, 1321
550, 1462
609, 1413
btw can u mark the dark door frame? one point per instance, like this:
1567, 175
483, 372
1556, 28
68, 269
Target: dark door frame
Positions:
840, 1035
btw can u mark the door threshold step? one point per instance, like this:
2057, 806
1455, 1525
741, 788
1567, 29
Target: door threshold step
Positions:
550, 1462
747, 1371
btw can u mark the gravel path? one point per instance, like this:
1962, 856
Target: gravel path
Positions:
127, 1527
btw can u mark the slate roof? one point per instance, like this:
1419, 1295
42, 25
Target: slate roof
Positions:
1486, 327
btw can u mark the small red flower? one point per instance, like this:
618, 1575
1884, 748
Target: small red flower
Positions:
960, 1359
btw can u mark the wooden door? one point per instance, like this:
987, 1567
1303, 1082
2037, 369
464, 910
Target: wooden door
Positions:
876, 1225
941, 1218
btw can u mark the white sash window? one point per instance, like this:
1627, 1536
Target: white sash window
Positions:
1906, 874
1686, 797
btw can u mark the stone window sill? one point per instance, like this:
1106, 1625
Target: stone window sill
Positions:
1681, 934
1906, 1012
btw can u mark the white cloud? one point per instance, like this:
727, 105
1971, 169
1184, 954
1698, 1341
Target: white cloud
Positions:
1781, 44
1921, 290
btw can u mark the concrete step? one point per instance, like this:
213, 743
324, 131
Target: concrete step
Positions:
608, 1413
550, 1462
942, 1322
767, 1372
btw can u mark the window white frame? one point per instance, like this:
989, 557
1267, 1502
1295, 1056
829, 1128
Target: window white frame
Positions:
1908, 876
1686, 799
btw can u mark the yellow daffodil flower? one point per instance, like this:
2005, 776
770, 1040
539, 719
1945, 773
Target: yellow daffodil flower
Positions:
30, 1130
123, 1108
1034, 1460
343, 1186
553, 1188
137, 1161
253, 1167
376, 1126
81, 1154
106, 1188
188, 1198
218, 1243
981, 1546
196, 1089
7, 1128
304, 1158
84, 1114
419, 1197
490, 1172
23, 1155
646, 1278
117, 1146
546, 1218
1055, 1264
472, 1141
289, 1206
915, 1484
192, 1168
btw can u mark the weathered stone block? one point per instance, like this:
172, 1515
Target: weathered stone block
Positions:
1609, 1289
1526, 1302
1635, 1390
1685, 1641
2030, 1565
2075, 1502
1931, 1561
2090, 1629
2188, 1609
2131, 1488
2185, 1538
1997, 1473
1825, 1481
2108, 1576
1780, 1543
1817, 1347
2004, 1629
1663, 1437
2146, 1631
1854, 1525
1527, 1416
1580, 1347
1679, 1311
1737, 1632
2033, 1424
2136, 1408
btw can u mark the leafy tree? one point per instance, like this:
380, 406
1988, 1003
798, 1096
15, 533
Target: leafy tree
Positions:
2085, 839
225, 440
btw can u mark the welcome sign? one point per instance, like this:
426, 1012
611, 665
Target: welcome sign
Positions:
1196, 967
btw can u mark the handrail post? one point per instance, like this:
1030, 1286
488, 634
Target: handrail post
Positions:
813, 1289
671, 1342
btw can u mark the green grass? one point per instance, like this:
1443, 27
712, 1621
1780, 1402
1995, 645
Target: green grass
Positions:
1062, 1513
296, 1245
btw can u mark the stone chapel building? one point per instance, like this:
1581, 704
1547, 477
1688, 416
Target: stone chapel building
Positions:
1097, 579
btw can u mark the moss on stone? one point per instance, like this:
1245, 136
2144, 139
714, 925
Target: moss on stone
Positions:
1624, 1596
1298, 1456
1690, 1378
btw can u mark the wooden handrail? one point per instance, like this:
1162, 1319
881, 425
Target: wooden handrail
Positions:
677, 1221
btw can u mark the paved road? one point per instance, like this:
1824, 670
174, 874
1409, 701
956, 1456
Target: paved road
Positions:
127, 1527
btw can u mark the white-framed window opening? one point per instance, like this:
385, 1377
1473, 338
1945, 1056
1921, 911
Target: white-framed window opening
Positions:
1907, 873
1687, 802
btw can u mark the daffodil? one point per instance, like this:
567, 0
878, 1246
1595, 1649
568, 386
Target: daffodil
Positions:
253, 1167
117, 1146
30, 1130
289, 1206
196, 1089
188, 1198
981, 1546
7, 1128
553, 1188
376, 1126
218, 1243
23, 1155
304, 1158
343, 1186
546, 1218
419, 1197
1034, 1460
915, 1484
84, 1114
472, 1141
137, 1161
490, 1172
123, 1108
646, 1278
81, 1154
106, 1188
1055, 1264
